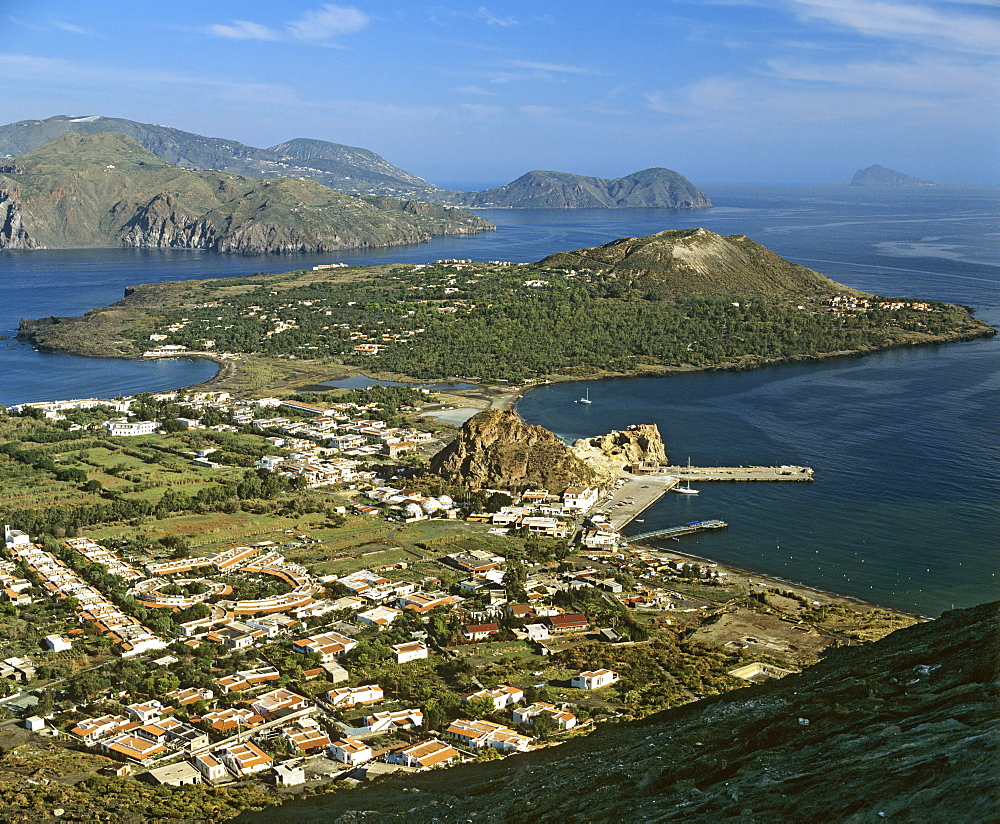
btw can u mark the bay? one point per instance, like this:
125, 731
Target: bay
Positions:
904, 443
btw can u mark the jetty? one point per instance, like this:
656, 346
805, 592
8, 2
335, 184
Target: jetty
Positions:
676, 531
740, 473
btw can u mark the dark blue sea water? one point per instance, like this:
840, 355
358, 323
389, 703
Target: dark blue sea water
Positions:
904, 443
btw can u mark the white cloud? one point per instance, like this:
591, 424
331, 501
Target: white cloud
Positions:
907, 21
473, 90
316, 26
72, 28
495, 20
553, 68
243, 30
327, 22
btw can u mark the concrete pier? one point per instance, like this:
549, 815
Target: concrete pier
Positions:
740, 473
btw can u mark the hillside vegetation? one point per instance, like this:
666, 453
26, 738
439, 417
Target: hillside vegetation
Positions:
673, 301
904, 729
106, 190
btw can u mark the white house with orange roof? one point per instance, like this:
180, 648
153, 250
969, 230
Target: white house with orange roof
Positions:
350, 751
244, 758
350, 696
580, 498
424, 755
563, 719
502, 697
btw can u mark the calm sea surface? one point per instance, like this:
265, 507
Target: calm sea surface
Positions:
904, 443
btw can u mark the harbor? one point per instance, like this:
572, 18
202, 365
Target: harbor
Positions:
638, 493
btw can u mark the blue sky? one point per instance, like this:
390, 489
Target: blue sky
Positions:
759, 91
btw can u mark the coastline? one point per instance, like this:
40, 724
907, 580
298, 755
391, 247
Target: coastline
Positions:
772, 581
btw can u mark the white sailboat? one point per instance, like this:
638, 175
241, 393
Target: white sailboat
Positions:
686, 489
586, 397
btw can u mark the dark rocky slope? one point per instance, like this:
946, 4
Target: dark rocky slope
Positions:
905, 729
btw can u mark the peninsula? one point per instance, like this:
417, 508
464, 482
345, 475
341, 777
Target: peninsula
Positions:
674, 301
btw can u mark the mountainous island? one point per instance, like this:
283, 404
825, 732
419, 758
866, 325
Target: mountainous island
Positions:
107, 190
360, 171
559, 190
881, 176
673, 301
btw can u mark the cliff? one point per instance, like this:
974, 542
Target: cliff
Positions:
904, 729
608, 455
106, 190
697, 262
560, 190
496, 449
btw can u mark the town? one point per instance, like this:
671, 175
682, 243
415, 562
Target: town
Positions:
379, 621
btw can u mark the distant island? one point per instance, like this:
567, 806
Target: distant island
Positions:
360, 171
674, 301
881, 176
106, 190
559, 190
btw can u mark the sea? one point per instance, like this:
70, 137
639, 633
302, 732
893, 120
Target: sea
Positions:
904, 443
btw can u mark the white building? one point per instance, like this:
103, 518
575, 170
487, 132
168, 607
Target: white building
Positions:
580, 498
594, 679
123, 428
412, 651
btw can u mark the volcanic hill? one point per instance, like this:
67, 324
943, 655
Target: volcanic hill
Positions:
696, 262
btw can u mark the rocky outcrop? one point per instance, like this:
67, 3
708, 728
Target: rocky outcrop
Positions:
13, 235
904, 729
496, 449
608, 455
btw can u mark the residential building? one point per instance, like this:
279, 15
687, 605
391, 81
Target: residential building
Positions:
480, 734
350, 696
594, 679
244, 758
564, 719
424, 755
411, 651
210, 767
502, 697
350, 751
580, 498
480, 632
568, 622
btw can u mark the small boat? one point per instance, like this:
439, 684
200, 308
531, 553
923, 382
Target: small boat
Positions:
686, 489
586, 397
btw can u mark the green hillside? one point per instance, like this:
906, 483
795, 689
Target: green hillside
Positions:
107, 190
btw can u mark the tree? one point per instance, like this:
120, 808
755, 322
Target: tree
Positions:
480, 707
